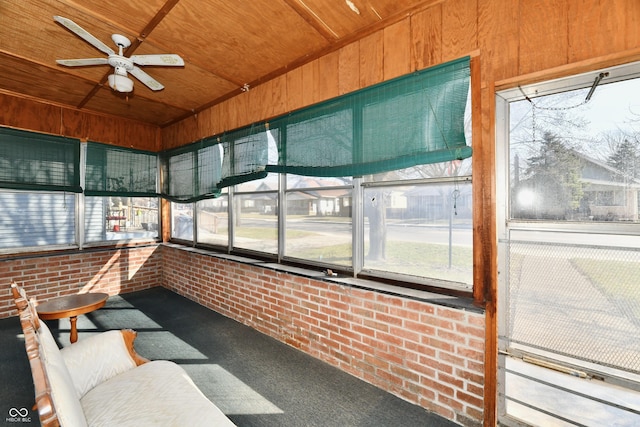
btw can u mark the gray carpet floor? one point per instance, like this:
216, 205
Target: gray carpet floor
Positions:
255, 379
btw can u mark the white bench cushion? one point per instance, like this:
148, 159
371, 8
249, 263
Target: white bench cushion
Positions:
95, 359
153, 394
63, 393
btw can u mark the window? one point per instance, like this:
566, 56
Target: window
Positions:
414, 225
182, 221
569, 249
418, 222
213, 220
120, 218
319, 219
37, 219
573, 160
41, 173
255, 215
372, 183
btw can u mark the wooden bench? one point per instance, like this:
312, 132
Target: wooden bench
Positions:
101, 380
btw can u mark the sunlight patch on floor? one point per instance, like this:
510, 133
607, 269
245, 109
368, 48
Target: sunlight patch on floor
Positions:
229, 393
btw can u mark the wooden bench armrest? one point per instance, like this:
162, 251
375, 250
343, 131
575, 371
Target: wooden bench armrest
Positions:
129, 336
42, 388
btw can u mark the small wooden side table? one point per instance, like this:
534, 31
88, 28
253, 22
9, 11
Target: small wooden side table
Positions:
71, 306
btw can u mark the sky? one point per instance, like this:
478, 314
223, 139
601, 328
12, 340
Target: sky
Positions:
614, 107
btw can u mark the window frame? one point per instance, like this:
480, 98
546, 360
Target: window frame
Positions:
575, 233
503, 99
79, 207
503, 180
356, 269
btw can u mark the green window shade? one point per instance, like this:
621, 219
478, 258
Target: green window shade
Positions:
178, 174
209, 169
245, 155
33, 161
316, 142
411, 120
120, 171
192, 172
408, 121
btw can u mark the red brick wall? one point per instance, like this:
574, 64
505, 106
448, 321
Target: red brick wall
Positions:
114, 271
428, 354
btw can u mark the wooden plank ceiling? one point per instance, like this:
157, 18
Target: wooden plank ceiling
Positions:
225, 44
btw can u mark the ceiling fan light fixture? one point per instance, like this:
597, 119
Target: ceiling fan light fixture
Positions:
120, 83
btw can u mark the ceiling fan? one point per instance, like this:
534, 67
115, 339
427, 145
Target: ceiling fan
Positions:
122, 65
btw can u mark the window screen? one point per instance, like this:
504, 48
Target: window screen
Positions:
36, 219
112, 170
33, 161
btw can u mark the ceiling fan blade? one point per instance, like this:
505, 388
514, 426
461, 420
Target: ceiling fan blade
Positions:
169, 59
145, 78
84, 34
82, 62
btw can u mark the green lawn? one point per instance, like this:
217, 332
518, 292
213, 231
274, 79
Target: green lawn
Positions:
416, 259
261, 233
412, 258
617, 279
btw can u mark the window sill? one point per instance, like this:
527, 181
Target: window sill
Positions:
452, 301
26, 253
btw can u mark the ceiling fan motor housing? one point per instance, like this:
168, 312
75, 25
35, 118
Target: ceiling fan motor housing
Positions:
121, 64
119, 81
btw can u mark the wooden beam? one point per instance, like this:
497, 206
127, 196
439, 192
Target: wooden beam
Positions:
312, 19
485, 275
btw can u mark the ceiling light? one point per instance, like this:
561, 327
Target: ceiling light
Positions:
352, 6
120, 83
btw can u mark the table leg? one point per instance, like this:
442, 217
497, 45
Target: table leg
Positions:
73, 337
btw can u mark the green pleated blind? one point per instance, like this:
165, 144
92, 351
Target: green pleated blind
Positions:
411, 120
120, 171
192, 172
245, 155
38, 162
178, 176
318, 142
209, 171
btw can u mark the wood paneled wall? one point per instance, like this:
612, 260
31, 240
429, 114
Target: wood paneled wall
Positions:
415, 42
37, 116
512, 38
